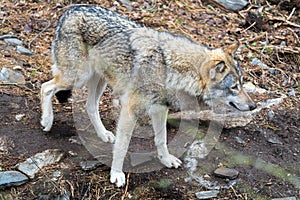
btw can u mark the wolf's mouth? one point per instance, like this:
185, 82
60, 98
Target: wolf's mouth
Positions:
233, 105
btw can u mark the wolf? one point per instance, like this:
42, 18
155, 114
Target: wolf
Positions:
144, 68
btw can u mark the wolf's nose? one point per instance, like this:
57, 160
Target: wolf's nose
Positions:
252, 106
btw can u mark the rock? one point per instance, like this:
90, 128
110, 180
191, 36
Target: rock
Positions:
17, 67
24, 51
224, 172
89, 165
235, 5
239, 140
251, 88
292, 93
7, 75
12, 178
13, 41
207, 194
33, 164
285, 198
270, 115
258, 62
19, 117
2, 37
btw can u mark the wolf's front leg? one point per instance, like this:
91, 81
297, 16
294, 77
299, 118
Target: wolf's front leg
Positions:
123, 135
159, 115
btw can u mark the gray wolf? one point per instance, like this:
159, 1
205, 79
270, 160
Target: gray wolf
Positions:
144, 67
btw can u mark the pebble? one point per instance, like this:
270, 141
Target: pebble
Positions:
32, 165
12, 178
89, 165
292, 93
239, 140
13, 41
270, 115
224, 172
207, 194
11, 76
258, 62
23, 50
19, 117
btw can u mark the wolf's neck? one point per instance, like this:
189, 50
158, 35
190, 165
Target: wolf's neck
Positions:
187, 82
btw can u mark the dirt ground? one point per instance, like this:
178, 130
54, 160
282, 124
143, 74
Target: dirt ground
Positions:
266, 152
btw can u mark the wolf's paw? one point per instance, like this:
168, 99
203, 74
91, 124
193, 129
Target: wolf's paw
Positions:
107, 136
46, 123
117, 177
170, 161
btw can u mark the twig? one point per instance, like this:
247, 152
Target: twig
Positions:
39, 34
253, 24
126, 187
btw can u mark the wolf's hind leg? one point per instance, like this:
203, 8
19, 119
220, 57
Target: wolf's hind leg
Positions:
96, 86
158, 114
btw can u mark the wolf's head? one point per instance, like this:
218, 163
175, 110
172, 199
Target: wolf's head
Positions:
222, 80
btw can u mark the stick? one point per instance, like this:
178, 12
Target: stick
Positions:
39, 34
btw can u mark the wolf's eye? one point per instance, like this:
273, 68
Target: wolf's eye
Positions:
235, 87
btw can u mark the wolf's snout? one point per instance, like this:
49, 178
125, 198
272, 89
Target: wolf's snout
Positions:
252, 106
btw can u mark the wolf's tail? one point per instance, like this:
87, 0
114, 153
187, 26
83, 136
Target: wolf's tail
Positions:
63, 96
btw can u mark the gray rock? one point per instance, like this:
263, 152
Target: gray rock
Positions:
207, 194
7, 75
292, 93
258, 62
33, 164
13, 41
89, 165
285, 198
239, 140
23, 50
235, 5
12, 178
2, 37
270, 115
224, 172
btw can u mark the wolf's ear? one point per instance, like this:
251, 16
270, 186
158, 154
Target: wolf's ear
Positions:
218, 69
231, 49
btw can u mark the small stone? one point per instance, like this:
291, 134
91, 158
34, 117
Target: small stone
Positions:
292, 93
207, 194
258, 62
224, 172
12, 178
17, 67
13, 41
239, 140
274, 140
2, 37
72, 153
89, 165
32, 165
7, 75
19, 117
24, 51
270, 115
